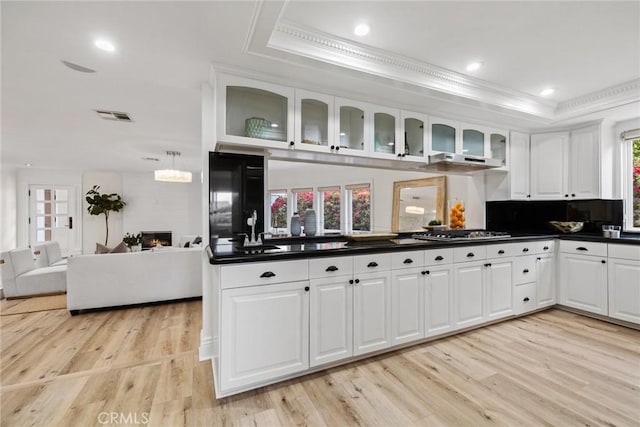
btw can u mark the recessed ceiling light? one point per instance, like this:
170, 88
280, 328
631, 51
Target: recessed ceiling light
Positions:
104, 45
28, 165
274, 125
548, 91
474, 66
361, 30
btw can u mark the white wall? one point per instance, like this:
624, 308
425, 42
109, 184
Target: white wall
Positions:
161, 206
8, 209
289, 175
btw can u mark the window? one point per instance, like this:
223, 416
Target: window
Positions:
330, 215
632, 180
359, 207
278, 203
303, 199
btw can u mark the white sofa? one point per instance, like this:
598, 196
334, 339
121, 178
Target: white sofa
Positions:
48, 254
110, 280
21, 276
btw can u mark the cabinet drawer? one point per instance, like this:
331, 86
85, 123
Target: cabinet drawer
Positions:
438, 256
469, 253
541, 247
334, 266
406, 259
583, 248
524, 270
371, 263
502, 250
262, 273
524, 298
631, 252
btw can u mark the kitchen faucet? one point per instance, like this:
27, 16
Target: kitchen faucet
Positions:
253, 241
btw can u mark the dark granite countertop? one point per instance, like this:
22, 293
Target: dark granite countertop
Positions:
625, 238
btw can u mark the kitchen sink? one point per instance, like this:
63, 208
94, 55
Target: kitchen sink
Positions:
256, 248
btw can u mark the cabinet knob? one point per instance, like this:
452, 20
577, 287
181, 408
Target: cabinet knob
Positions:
438, 258
546, 248
526, 270
332, 268
573, 195
357, 280
488, 264
372, 264
306, 289
566, 195
399, 155
526, 299
337, 148
538, 259
470, 255
525, 249
291, 143
603, 261
403, 154
528, 196
333, 147
268, 274
351, 281
500, 252
424, 272
408, 261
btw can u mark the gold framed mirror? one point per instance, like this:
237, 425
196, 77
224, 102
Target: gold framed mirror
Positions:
418, 201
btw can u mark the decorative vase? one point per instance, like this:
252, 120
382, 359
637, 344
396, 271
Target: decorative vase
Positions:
295, 225
310, 222
456, 214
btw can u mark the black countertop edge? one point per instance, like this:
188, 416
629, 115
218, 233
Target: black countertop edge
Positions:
625, 238
290, 252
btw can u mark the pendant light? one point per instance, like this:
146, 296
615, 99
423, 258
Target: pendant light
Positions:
173, 174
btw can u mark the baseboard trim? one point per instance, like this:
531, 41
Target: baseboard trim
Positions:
599, 317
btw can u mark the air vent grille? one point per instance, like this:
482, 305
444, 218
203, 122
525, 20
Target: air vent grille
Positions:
114, 115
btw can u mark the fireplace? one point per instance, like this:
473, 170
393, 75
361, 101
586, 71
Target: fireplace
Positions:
151, 239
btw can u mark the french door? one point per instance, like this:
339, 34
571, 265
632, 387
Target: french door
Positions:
53, 216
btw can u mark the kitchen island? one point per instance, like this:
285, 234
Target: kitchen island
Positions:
285, 310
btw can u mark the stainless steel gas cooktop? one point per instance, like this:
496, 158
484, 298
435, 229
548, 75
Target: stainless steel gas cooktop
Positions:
457, 235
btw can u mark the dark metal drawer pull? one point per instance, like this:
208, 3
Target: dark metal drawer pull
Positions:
268, 274
500, 252
546, 248
526, 270
581, 248
525, 250
332, 268
408, 261
372, 264
488, 264
438, 258
351, 281
306, 289
526, 299
357, 280
424, 272
470, 255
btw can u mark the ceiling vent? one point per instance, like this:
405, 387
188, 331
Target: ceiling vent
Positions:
114, 115
77, 67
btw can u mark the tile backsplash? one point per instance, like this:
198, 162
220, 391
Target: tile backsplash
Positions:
533, 216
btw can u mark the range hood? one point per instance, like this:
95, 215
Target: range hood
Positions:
449, 162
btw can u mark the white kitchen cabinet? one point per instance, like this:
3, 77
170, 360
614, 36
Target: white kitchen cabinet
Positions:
499, 288
438, 299
407, 308
414, 136
584, 164
444, 136
265, 333
331, 319
469, 293
545, 280
387, 141
624, 289
251, 112
314, 122
353, 127
371, 312
549, 173
519, 166
474, 139
451, 136
583, 282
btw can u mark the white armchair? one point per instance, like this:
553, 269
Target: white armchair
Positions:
21, 276
48, 254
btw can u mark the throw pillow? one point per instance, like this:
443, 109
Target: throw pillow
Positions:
197, 240
186, 245
102, 249
122, 247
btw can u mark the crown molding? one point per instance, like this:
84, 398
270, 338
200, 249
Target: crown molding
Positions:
314, 44
614, 96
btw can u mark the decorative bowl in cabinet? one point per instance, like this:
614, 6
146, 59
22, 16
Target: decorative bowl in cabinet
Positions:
567, 226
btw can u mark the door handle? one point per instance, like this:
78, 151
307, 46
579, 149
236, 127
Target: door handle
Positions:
70, 223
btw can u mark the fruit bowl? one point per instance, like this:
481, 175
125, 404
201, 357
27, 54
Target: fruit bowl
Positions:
567, 226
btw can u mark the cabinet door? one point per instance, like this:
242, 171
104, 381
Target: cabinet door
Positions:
549, 166
255, 113
438, 300
264, 333
414, 135
499, 287
444, 136
469, 295
584, 164
584, 282
407, 310
474, 140
314, 121
387, 142
545, 283
353, 127
624, 290
331, 322
519, 166
371, 312
498, 146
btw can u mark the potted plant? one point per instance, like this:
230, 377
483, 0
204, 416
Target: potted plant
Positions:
133, 241
103, 204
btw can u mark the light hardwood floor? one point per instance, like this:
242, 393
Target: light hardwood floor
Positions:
551, 368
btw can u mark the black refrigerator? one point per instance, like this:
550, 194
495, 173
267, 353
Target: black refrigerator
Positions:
236, 189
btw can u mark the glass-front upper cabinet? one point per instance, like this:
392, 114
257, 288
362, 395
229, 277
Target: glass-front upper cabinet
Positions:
386, 134
352, 133
413, 137
254, 112
444, 136
498, 146
473, 141
314, 121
